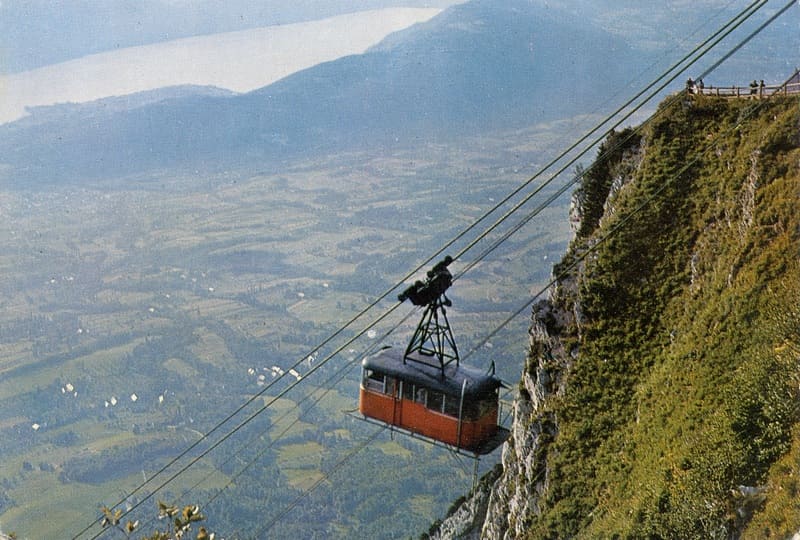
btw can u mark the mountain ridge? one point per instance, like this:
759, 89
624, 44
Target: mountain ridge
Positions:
239, 61
442, 80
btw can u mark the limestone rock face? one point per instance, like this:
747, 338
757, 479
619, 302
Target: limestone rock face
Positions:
498, 510
466, 521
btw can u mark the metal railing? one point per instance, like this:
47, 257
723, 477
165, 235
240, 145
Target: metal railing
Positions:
753, 91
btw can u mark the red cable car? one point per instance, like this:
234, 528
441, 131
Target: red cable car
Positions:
425, 390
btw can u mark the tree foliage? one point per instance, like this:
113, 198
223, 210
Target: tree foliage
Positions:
179, 528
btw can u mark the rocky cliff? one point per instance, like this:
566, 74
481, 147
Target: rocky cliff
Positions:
659, 398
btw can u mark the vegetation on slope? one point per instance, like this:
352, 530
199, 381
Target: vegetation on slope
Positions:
679, 416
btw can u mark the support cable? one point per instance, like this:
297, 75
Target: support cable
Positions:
713, 40
338, 465
613, 232
579, 259
624, 221
235, 429
326, 387
619, 144
755, 6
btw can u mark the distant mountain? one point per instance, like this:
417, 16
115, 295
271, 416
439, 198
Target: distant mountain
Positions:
478, 66
128, 102
240, 61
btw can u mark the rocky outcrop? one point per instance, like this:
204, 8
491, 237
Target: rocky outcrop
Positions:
501, 509
525, 481
525, 476
508, 503
466, 518
498, 509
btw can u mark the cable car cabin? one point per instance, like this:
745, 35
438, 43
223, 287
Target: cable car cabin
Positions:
425, 390
455, 404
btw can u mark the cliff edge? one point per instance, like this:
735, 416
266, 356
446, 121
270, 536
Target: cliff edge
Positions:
659, 398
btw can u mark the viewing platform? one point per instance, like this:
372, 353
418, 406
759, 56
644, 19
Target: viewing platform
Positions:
755, 90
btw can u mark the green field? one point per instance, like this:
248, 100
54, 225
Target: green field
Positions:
185, 292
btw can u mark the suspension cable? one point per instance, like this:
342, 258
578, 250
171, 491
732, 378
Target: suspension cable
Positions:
580, 258
564, 273
713, 40
338, 465
738, 20
569, 268
326, 386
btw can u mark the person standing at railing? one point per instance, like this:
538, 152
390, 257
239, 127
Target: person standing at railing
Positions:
761, 89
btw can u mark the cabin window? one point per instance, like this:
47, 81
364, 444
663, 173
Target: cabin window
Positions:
421, 395
378, 382
408, 391
470, 410
451, 404
478, 409
435, 401
373, 381
485, 406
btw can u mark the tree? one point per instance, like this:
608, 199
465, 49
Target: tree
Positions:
179, 528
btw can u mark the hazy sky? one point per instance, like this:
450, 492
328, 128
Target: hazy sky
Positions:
35, 33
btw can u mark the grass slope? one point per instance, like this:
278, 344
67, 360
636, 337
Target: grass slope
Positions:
679, 416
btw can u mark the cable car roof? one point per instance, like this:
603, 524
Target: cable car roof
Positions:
389, 361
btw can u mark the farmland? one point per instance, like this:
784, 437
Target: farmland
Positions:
138, 313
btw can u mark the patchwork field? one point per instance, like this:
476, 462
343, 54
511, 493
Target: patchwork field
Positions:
135, 316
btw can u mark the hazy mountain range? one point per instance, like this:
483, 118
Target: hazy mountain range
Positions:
475, 67
239, 61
